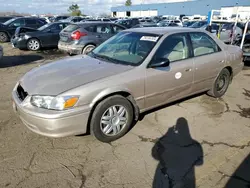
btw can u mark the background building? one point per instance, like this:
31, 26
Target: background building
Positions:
194, 7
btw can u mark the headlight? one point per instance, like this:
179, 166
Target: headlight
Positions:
54, 103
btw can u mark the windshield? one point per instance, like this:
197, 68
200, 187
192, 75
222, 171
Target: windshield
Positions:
127, 48
44, 27
198, 24
9, 21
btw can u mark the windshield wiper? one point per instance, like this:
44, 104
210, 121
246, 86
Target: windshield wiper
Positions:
103, 57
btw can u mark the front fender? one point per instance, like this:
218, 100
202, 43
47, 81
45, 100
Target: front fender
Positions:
109, 91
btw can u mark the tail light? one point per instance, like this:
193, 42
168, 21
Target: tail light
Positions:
77, 35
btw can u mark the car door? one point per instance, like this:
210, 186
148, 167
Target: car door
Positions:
208, 60
103, 32
51, 35
165, 84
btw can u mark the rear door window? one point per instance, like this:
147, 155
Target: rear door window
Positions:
103, 29
71, 28
91, 29
30, 22
203, 44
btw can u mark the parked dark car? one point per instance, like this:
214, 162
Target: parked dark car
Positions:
245, 47
7, 29
45, 36
152, 24
58, 18
188, 23
167, 24
73, 19
128, 23
81, 38
198, 24
5, 18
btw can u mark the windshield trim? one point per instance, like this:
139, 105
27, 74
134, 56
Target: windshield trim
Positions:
126, 63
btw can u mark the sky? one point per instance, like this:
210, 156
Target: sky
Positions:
89, 7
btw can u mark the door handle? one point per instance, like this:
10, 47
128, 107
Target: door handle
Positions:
222, 61
188, 70
98, 36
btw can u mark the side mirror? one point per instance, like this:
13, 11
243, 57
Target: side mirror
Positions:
161, 62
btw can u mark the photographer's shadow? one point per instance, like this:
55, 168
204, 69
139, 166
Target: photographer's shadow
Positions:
178, 154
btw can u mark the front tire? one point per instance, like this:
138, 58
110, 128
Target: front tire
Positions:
111, 119
33, 45
221, 84
4, 37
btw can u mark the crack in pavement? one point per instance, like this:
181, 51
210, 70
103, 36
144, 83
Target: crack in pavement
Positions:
226, 105
234, 177
83, 178
204, 142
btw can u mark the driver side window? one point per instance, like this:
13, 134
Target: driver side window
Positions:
174, 48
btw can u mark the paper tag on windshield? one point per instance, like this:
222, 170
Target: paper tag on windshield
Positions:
149, 38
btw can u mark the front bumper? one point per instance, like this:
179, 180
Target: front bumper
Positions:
49, 122
70, 48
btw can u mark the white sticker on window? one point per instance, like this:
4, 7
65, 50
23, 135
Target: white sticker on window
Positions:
149, 38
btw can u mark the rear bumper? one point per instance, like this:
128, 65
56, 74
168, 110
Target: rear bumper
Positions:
70, 48
19, 43
56, 124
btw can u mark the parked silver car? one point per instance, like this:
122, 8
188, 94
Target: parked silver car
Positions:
227, 34
132, 72
81, 38
1, 52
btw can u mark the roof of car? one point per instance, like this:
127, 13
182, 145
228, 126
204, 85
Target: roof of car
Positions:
92, 22
161, 30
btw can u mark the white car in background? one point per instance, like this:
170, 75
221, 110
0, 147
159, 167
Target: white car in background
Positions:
1, 52
178, 22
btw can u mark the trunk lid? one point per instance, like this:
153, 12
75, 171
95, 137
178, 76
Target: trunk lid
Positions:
65, 34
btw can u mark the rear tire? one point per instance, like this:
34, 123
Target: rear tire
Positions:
111, 119
4, 37
221, 84
88, 49
33, 45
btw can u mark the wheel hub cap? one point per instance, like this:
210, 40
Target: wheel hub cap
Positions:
113, 120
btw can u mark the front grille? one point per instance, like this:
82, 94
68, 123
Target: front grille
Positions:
21, 93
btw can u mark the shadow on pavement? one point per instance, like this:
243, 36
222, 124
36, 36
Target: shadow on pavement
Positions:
241, 177
11, 61
178, 154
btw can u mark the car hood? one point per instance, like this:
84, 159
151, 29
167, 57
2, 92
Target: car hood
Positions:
58, 77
